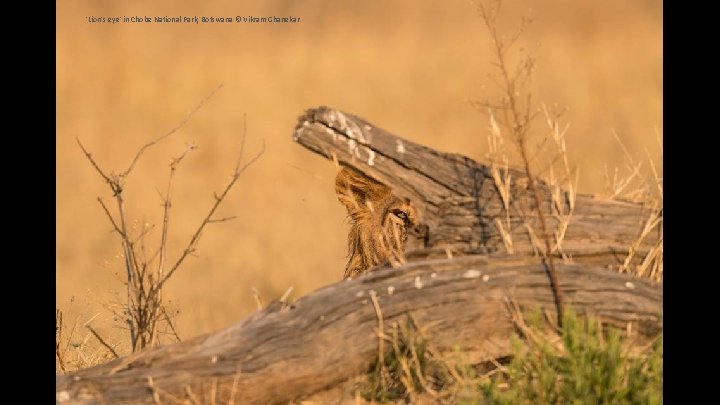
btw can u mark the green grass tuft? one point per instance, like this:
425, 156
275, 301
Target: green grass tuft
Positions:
591, 367
586, 364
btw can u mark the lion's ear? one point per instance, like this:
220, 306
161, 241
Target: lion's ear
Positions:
354, 189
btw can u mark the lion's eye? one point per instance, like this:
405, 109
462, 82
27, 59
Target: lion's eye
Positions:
400, 214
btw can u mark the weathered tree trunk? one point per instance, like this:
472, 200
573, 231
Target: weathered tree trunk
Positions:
290, 350
286, 351
459, 199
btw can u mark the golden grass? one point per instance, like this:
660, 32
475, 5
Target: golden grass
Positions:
408, 67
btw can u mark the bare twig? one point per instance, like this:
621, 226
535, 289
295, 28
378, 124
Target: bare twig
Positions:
58, 338
546, 236
224, 219
170, 323
190, 248
95, 165
167, 134
102, 341
110, 217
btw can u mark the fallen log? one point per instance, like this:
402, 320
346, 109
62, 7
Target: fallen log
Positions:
460, 202
289, 350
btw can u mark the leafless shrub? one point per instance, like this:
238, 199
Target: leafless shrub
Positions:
514, 112
144, 310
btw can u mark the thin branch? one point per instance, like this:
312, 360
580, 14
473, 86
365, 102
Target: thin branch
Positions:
110, 217
172, 131
190, 248
519, 124
230, 218
107, 346
95, 165
58, 338
141, 238
242, 143
169, 322
167, 204
546, 238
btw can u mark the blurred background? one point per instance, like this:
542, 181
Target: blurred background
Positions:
408, 67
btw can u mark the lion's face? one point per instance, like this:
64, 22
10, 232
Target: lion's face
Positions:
380, 221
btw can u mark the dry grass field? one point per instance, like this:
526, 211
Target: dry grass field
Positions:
409, 67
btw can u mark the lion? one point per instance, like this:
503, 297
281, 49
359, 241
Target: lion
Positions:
380, 222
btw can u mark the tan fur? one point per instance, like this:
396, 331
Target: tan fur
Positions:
380, 221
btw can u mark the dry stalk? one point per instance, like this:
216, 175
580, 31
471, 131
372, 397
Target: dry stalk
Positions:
102, 341
502, 181
506, 236
649, 191
213, 391
259, 301
561, 198
381, 342
537, 246
654, 220
517, 118
406, 378
416, 361
154, 391
191, 395
233, 390
58, 339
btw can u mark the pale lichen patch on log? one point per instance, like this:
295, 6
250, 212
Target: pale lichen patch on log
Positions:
296, 133
62, 396
472, 274
400, 148
630, 285
352, 146
349, 127
331, 132
486, 278
418, 283
391, 290
371, 157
